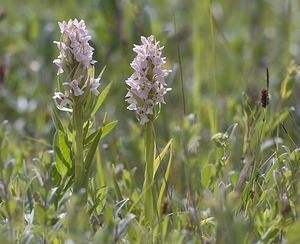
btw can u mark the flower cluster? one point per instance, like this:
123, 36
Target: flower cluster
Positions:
147, 83
75, 59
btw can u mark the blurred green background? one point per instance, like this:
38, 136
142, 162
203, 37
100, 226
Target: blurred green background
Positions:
216, 49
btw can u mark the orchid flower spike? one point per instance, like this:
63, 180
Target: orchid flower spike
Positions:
74, 61
147, 84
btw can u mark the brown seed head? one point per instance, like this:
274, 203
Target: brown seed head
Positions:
264, 99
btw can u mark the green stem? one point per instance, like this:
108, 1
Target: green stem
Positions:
150, 157
79, 181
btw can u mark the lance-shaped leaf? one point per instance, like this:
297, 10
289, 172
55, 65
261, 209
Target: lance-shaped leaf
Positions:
56, 120
105, 130
95, 141
62, 153
100, 99
289, 80
160, 157
165, 180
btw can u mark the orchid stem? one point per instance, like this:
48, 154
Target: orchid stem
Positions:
78, 146
150, 157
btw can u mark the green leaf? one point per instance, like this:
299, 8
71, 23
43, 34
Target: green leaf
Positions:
287, 84
206, 174
91, 71
108, 127
100, 99
62, 153
95, 141
279, 118
105, 130
92, 150
40, 215
165, 228
56, 177
90, 138
231, 130
160, 157
165, 180
116, 185
60, 85
292, 233
287, 87
295, 155
57, 123
86, 129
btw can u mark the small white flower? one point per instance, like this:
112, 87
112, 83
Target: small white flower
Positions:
77, 90
95, 83
147, 83
63, 101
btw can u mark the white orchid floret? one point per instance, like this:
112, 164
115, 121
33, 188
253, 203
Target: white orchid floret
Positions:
63, 101
95, 83
75, 86
147, 84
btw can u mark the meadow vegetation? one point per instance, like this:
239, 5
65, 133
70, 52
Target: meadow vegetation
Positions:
218, 163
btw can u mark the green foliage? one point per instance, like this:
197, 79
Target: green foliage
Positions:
62, 153
287, 84
230, 173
